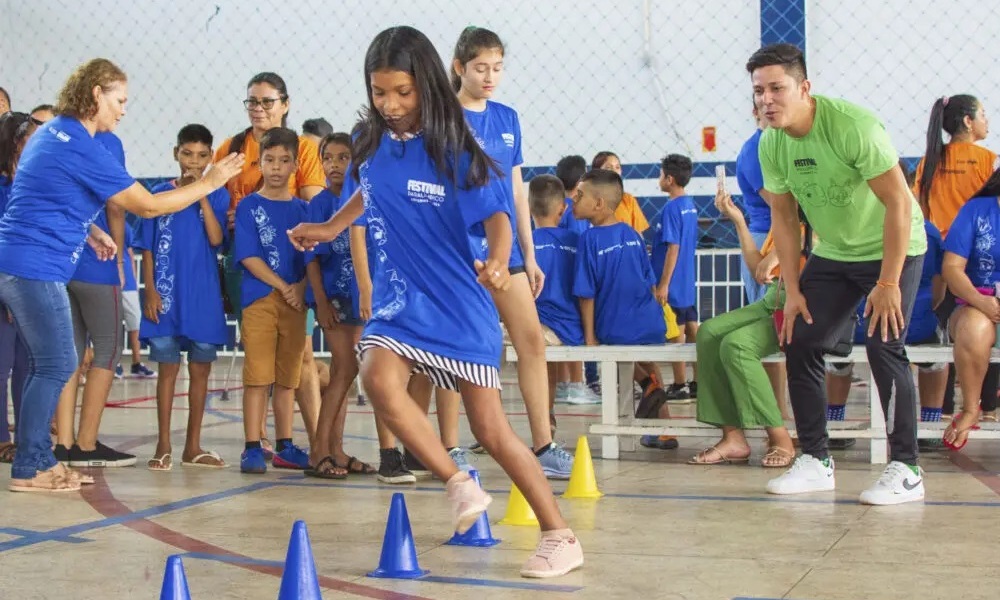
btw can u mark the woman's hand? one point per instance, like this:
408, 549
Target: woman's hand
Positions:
493, 275
221, 172
103, 245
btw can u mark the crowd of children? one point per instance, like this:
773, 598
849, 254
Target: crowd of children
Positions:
564, 264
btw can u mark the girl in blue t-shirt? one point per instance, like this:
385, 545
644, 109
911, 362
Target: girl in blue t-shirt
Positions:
477, 68
971, 268
15, 128
333, 293
426, 185
64, 178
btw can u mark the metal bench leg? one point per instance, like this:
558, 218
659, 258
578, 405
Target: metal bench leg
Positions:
880, 438
609, 408
626, 405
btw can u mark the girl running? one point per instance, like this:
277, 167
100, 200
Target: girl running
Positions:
423, 177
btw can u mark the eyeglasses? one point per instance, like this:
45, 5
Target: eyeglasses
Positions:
265, 103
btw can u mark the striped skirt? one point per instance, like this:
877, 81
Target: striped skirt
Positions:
443, 372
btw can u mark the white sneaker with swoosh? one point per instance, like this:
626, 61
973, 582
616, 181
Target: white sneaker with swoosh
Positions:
898, 484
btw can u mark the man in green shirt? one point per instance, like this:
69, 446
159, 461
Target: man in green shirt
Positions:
836, 161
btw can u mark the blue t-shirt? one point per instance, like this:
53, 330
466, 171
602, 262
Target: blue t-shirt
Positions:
570, 222
334, 257
751, 180
5, 185
425, 293
975, 236
185, 272
923, 322
90, 269
498, 132
555, 251
678, 225
64, 178
129, 265
260, 231
613, 269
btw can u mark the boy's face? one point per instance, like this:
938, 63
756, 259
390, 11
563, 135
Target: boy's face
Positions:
666, 181
277, 166
335, 158
193, 157
586, 202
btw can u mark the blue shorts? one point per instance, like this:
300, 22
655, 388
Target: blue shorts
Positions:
345, 310
168, 349
687, 314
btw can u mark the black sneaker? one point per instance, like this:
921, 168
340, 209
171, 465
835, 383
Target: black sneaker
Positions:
101, 456
677, 393
693, 389
841, 443
391, 469
62, 454
412, 464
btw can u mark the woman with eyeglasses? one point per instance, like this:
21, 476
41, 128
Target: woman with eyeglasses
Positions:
267, 104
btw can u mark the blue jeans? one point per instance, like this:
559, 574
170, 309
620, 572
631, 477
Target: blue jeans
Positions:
41, 311
755, 291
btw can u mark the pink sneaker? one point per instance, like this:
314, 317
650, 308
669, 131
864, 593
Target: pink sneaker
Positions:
468, 500
558, 553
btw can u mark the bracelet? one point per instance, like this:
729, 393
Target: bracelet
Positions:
881, 283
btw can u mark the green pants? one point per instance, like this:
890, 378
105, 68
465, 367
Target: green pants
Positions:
233, 281
734, 389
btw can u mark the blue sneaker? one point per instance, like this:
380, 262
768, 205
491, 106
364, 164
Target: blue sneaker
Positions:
461, 458
292, 457
119, 373
141, 371
252, 461
556, 462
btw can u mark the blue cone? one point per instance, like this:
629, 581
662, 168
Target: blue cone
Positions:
399, 553
479, 535
175, 585
299, 581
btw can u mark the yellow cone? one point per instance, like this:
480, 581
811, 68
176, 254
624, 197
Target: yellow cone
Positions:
518, 511
582, 481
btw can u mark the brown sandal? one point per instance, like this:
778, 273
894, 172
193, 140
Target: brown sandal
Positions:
702, 458
49, 481
356, 467
777, 458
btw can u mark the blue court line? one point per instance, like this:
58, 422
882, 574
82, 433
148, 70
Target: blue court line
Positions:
26, 533
495, 583
514, 585
62, 533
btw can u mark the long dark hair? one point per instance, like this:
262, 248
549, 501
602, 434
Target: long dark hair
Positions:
990, 189
948, 113
602, 157
446, 134
14, 128
471, 42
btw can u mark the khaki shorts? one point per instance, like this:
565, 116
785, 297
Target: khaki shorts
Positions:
550, 337
274, 335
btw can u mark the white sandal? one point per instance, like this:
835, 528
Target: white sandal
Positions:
163, 463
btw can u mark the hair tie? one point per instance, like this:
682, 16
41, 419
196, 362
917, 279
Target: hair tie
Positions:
944, 100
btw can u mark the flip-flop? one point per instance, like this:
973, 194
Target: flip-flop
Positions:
357, 467
196, 461
163, 463
319, 473
702, 458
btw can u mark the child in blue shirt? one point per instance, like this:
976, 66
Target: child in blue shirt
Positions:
614, 282
272, 295
674, 245
558, 311
569, 170
425, 186
183, 299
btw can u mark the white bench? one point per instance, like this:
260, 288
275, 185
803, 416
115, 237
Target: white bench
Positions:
617, 362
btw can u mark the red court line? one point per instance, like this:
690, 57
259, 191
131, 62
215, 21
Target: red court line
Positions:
101, 499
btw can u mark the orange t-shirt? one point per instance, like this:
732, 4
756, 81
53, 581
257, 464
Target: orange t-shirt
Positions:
768, 247
309, 173
964, 170
630, 213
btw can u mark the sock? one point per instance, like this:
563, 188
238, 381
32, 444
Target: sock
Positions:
543, 450
252, 445
930, 415
452, 448
915, 469
283, 443
826, 461
836, 412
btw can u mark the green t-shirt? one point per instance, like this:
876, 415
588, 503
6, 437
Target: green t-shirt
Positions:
827, 171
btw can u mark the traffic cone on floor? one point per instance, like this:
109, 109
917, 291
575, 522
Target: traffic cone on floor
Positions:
299, 581
582, 481
175, 585
518, 511
479, 535
399, 553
